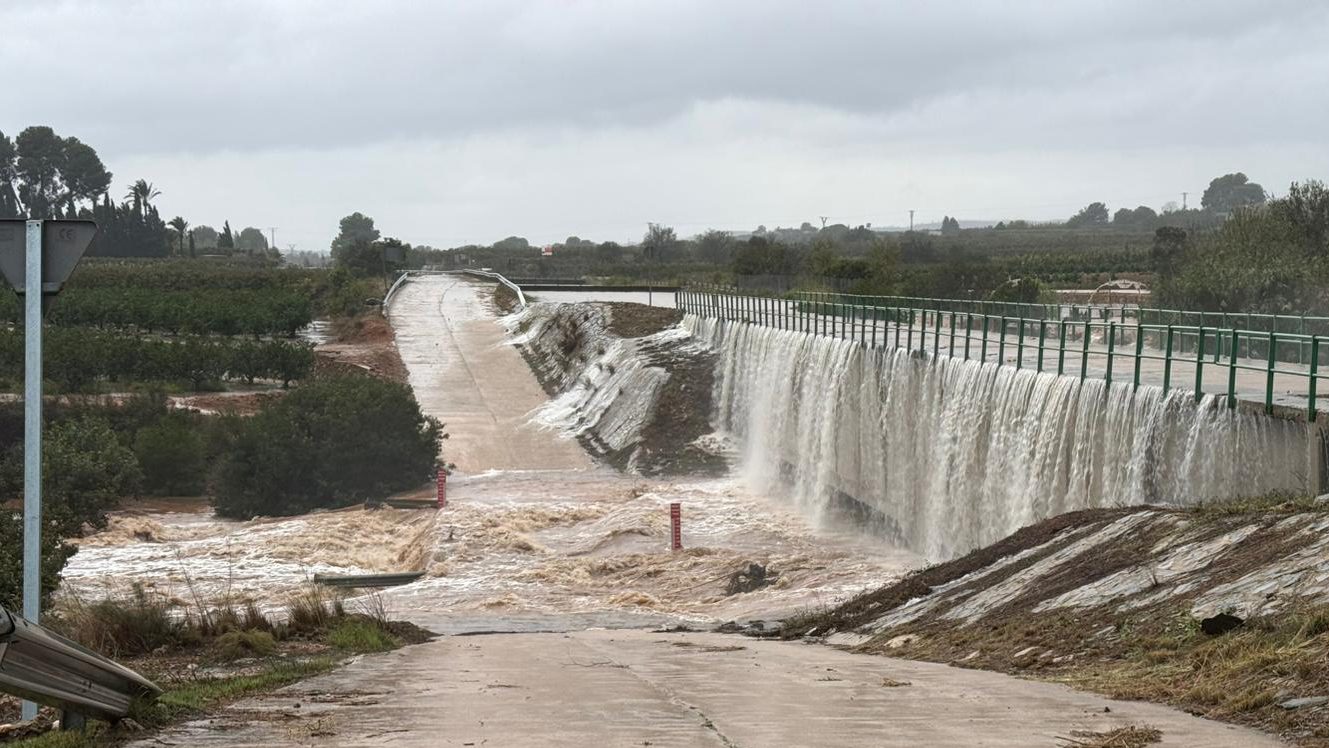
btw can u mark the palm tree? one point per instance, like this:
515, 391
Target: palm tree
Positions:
181, 226
143, 192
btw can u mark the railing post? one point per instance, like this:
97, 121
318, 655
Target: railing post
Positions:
1061, 347
1084, 350
950, 342
1042, 334
909, 336
863, 333
1001, 341
936, 331
1315, 366
1139, 352
1112, 347
983, 352
1199, 365
896, 314
968, 332
1167, 361
1019, 347
1269, 378
1232, 371
875, 316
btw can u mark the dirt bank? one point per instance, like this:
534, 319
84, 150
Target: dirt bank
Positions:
627, 381
1130, 602
364, 344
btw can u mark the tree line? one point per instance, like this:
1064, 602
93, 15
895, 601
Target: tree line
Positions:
44, 175
78, 359
202, 312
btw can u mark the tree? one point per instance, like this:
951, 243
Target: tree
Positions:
9, 205
332, 442
1169, 246
356, 234
206, 236
761, 256
86, 179
43, 175
181, 226
1142, 217
142, 192
950, 226
1231, 191
658, 242
823, 258
251, 240
226, 241
608, 252
512, 244
1093, 215
715, 247
1023, 291
171, 455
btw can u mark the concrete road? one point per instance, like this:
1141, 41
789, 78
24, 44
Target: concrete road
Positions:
464, 372
639, 688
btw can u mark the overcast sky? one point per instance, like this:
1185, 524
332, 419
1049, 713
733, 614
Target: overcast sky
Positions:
459, 122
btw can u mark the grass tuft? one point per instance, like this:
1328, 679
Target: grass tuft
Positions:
362, 636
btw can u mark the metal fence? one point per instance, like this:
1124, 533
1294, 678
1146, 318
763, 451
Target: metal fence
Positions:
1112, 347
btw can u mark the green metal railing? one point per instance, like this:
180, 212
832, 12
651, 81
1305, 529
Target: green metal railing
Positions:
1127, 313
1060, 345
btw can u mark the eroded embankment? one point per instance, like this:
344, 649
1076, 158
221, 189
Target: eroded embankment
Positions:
1129, 602
626, 380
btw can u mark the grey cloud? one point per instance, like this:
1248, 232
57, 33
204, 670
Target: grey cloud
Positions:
210, 76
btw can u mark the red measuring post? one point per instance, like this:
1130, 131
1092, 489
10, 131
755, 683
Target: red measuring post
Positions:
676, 526
442, 488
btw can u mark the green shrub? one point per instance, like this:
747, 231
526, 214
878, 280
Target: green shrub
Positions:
235, 645
330, 443
55, 553
85, 472
361, 635
171, 455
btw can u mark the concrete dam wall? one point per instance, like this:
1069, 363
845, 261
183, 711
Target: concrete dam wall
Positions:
946, 455
937, 455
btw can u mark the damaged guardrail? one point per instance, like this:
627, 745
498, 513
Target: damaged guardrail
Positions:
46, 668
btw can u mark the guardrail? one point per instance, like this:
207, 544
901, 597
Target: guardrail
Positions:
387, 297
521, 297
44, 667
1075, 347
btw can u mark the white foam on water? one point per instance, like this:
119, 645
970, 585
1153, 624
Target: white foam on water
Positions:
955, 454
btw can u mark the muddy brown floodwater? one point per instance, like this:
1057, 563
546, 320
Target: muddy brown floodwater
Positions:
536, 535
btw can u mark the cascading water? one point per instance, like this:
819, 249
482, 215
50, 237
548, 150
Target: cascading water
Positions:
947, 455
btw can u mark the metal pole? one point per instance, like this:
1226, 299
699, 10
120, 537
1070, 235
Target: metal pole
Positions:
32, 434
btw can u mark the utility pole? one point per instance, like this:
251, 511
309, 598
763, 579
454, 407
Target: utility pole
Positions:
272, 235
911, 219
1183, 200
823, 220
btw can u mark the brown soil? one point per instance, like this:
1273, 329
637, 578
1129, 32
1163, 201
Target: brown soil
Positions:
628, 320
243, 404
872, 605
1154, 651
365, 344
505, 299
682, 413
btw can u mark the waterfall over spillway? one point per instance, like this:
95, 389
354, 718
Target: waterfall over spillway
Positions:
947, 455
